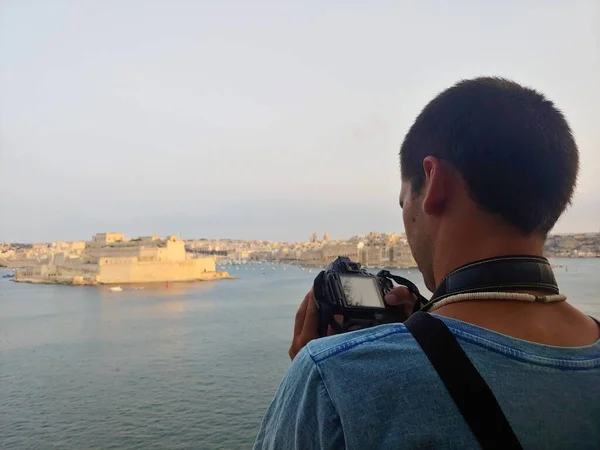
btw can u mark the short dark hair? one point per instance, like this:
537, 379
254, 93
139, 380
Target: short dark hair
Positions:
512, 146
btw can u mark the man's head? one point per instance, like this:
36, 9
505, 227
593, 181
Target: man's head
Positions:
486, 152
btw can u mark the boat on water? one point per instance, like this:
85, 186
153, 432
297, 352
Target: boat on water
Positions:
115, 289
10, 274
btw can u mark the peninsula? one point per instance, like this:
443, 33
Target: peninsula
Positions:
111, 258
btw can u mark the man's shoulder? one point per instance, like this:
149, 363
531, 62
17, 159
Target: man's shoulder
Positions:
390, 337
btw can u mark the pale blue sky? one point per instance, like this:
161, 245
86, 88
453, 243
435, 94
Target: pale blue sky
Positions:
263, 119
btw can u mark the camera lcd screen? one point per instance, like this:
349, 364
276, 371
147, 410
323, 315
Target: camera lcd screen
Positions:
361, 291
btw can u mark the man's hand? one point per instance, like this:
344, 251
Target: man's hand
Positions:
307, 321
401, 296
305, 324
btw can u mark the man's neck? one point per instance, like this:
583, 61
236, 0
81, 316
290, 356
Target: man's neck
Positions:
462, 246
557, 324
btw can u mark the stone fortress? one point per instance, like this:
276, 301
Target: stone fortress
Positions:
111, 258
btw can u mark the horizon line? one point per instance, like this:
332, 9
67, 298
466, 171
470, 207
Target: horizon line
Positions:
27, 242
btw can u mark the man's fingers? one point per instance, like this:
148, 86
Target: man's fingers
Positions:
305, 324
400, 295
339, 319
311, 318
300, 315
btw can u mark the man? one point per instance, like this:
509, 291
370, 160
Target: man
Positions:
487, 168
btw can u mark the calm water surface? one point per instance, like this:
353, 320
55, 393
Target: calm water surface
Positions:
183, 366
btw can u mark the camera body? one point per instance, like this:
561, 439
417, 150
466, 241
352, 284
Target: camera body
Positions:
347, 290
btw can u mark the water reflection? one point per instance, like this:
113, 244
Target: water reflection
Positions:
158, 298
156, 289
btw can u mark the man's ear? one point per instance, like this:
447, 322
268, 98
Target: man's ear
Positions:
435, 187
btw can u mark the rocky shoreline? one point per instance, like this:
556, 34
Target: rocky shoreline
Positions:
80, 281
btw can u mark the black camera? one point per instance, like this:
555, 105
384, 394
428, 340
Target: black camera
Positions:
347, 290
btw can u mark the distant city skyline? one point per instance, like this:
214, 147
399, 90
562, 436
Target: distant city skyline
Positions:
320, 237
263, 120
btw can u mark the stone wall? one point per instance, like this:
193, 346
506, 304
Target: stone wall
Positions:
158, 271
332, 251
72, 274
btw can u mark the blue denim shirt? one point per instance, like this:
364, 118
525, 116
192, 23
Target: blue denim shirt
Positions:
375, 388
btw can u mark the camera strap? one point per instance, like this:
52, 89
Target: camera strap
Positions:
471, 394
502, 273
506, 273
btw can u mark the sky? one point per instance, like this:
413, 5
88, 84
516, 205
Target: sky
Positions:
258, 120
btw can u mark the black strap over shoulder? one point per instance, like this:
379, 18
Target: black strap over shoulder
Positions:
468, 389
